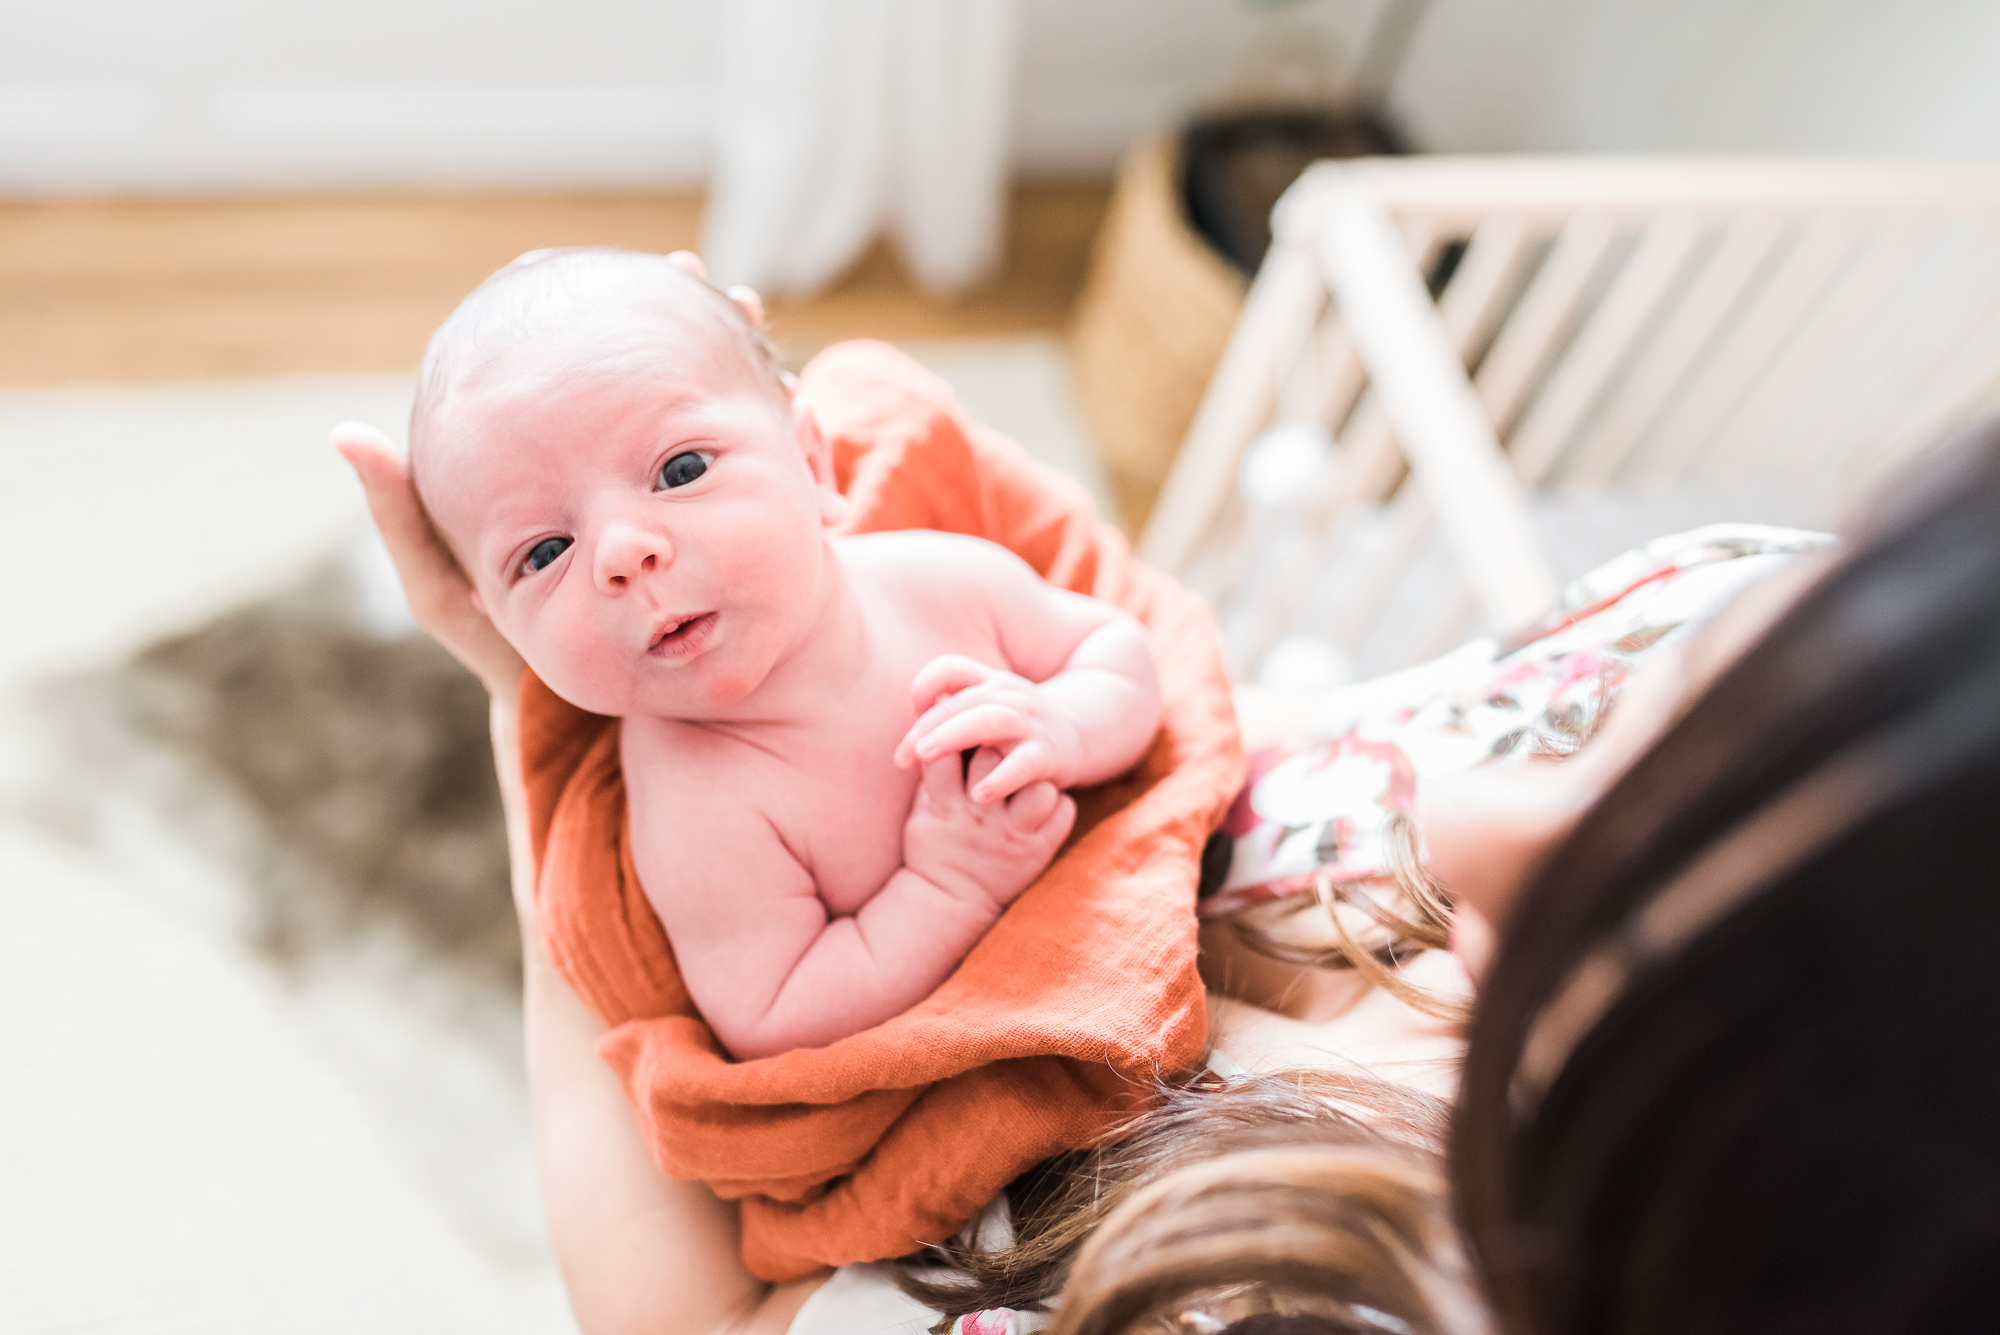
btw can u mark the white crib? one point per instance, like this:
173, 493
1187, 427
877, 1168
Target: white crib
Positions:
1457, 382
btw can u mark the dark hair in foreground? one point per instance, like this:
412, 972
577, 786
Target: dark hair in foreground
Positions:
1740, 1068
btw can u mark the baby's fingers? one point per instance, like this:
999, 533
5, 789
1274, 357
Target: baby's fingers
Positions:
982, 725
1025, 764
984, 761
1060, 822
942, 786
943, 675
912, 750
1034, 804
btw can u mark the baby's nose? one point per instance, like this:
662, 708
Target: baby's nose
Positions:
626, 552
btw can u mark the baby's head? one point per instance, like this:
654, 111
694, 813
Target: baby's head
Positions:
556, 311
608, 446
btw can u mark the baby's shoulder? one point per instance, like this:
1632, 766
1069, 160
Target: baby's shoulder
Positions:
926, 562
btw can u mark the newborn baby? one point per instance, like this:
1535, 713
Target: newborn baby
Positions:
843, 756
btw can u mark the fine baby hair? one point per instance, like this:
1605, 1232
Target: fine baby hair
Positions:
561, 302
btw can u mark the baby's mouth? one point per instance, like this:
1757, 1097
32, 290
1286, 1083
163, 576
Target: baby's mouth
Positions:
678, 637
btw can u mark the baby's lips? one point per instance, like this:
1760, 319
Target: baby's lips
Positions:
694, 632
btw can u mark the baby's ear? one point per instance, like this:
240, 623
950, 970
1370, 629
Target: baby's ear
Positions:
689, 261
749, 303
819, 458
815, 450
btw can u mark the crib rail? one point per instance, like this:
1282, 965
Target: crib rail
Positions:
1449, 343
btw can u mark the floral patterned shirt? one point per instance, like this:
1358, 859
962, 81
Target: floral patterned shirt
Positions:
1322, 807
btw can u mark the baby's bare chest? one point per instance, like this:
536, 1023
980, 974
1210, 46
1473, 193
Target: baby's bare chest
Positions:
713, 818
827, 799
843, 820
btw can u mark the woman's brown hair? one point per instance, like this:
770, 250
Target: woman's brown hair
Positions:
1740, 1069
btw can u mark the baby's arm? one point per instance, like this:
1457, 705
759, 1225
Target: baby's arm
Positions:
1083, 700
771, 971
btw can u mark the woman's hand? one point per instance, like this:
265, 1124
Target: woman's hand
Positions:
439, 594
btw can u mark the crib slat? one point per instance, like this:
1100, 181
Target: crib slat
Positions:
1685, 433
1963, 356
1757, 438
1600, 346
1944, 314
1341, 375
1968, 384
1472, 304
1335, 374
1445, 434
1874, 362
1470, 309
1371, 461
1605, 446
1529, 337
1277, 319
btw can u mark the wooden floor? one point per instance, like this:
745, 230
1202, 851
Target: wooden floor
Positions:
127, 290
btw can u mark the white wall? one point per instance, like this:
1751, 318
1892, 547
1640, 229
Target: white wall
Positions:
278, 94
236, 94
1898, 78
1096, 73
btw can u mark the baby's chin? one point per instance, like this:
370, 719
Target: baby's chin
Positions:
708, 695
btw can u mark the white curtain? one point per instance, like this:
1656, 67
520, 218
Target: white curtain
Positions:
839, 119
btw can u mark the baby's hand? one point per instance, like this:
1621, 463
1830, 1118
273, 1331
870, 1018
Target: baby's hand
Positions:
982, 852
962, 704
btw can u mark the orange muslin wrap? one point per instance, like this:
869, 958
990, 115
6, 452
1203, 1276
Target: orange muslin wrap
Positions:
1053, 1027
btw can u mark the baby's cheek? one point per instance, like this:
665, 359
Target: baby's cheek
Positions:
730, 685
570, 656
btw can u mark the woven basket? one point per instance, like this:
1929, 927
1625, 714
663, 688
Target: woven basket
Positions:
1150, 326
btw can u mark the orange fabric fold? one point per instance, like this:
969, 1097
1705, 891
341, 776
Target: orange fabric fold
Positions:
1056, 1023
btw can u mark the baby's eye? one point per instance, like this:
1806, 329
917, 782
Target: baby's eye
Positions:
682, 469
545, 551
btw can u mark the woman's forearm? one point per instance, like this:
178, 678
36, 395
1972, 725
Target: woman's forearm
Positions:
638, 1251
503, 717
